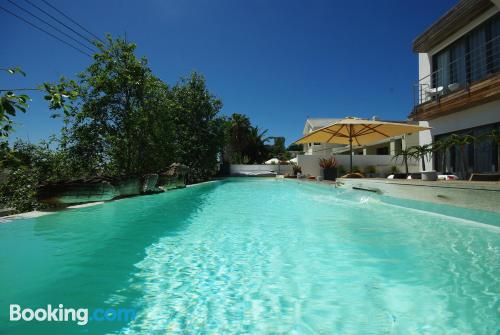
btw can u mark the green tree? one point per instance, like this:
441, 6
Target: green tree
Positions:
295, 147
422, 152
277, 149
442, 146
11, 101
29, 165
118, 119
244, 142
122, 121
494, 136
256, 149
240, 128
405, 155
199, 132
461, 141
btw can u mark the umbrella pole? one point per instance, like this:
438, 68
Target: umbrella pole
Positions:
350, 154
350, 147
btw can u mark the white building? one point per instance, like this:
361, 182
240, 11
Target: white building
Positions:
458, 90
311, 125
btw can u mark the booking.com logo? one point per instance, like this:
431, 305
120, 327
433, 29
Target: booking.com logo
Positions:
79, 315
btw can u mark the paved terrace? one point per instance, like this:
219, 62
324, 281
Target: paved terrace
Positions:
461, 193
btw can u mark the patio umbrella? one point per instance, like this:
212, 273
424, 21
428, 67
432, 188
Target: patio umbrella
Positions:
359, 131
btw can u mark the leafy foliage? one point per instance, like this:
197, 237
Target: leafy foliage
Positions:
10, 103
405, 155
422, 152
28, 166
370, 169
494, 136
327, 162
442, 146
199, 133
295, 147
245, 144
278, 149
19, 190
121, 119
461, 141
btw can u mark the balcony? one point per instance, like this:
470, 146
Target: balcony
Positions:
467, 81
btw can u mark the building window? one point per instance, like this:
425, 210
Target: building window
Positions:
480, 156
471, 58
383, 151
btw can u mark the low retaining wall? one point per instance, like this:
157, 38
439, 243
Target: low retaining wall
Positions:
241, 169
476, 195
310, 163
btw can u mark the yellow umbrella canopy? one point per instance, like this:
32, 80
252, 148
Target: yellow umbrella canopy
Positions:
358, 131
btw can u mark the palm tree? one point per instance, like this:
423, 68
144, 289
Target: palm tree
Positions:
405, 154
256, 145
240, 128
422, 152
461, 142
442, 146
494, 135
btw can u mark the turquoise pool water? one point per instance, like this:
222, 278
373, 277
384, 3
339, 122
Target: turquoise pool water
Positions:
256, 256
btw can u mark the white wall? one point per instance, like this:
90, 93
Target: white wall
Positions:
424, 68
425, 137
472, 117
310, 163
244, 168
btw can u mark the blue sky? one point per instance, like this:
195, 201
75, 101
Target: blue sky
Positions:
276, 61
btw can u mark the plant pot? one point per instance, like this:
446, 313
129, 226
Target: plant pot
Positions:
429, 175
329, 173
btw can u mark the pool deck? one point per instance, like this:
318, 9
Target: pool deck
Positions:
461, 193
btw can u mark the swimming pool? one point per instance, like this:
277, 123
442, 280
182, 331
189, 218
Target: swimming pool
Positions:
255, 256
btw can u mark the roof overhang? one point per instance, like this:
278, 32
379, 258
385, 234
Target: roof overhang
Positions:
449, 23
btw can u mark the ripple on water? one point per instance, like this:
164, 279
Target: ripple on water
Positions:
279, 258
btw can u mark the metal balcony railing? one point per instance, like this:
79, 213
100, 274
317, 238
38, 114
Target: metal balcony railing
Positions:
473, 66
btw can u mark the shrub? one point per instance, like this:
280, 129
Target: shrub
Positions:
370, 169
327, 163
394, 169
20, 189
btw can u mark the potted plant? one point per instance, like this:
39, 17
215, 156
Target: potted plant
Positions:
328, 168
423, 152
